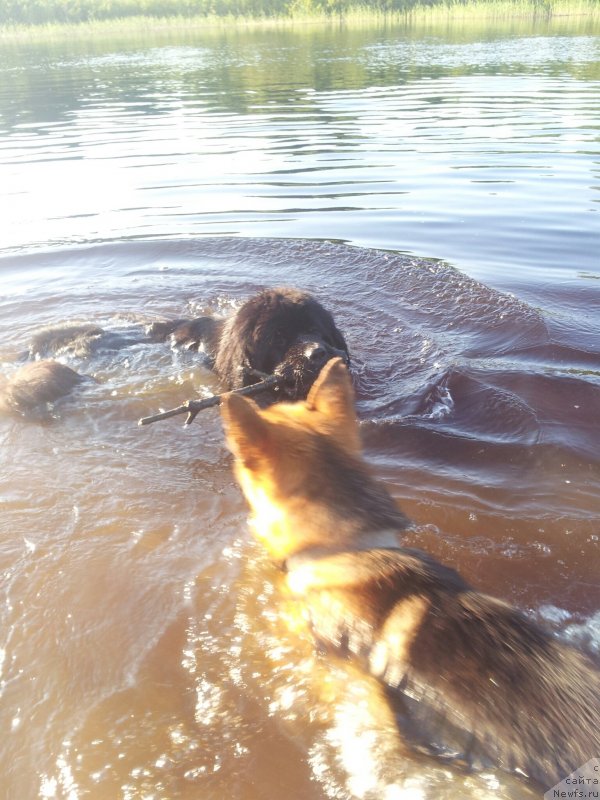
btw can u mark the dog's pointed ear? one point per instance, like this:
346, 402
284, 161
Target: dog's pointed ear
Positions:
248, 434
332, 396
332, 392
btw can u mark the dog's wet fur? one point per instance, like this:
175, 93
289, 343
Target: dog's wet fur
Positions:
282, 332
471, 679
37, 384
278, 331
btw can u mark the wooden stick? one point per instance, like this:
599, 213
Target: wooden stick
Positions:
193, 407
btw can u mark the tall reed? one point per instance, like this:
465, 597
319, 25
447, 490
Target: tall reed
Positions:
52, 12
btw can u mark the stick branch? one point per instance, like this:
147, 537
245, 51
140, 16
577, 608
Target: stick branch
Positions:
193, 407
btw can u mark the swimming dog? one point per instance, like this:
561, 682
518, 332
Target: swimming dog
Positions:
471, 678
283, 331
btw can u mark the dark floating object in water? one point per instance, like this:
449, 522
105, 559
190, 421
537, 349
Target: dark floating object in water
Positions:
38, 384
193, 407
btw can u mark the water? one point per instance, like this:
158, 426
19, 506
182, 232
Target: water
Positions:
144, 650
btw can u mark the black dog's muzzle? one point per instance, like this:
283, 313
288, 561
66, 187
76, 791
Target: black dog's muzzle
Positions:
302, 363
318, 354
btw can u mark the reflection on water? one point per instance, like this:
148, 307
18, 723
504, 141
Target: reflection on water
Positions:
146, 651
476, 146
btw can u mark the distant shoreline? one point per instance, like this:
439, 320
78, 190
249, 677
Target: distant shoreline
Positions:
301, 13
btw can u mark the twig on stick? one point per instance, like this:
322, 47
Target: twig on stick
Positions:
193, 407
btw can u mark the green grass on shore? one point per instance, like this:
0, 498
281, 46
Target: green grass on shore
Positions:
49, 18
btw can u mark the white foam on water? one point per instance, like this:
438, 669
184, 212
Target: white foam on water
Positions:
586, 634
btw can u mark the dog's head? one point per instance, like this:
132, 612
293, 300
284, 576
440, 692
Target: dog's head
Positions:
291, 458
284, 332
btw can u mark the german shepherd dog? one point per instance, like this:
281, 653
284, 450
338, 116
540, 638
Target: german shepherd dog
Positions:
472, 679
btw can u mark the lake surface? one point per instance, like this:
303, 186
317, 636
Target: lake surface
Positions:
438, 190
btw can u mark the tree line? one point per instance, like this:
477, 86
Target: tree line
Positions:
37, 12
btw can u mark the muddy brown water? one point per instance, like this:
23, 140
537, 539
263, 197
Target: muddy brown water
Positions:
145, 650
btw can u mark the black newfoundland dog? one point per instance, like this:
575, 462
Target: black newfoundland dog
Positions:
283, 332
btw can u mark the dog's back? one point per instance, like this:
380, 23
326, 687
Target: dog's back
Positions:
472, 678
37, 383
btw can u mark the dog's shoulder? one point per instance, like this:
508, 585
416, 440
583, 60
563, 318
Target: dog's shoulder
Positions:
471, 678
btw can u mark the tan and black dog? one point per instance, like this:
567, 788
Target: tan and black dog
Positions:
471, 678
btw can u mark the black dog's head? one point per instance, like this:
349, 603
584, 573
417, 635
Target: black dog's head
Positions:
279, 331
